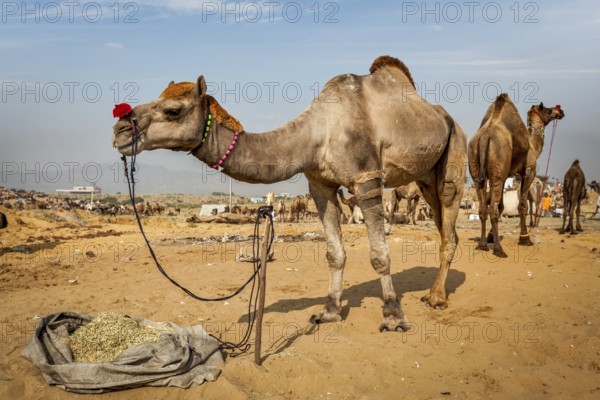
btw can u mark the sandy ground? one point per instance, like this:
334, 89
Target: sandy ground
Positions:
526, 325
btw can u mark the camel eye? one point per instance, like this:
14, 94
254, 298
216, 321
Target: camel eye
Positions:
172, 112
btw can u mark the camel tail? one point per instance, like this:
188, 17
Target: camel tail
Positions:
484, 146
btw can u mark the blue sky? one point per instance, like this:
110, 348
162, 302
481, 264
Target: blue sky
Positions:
64, 65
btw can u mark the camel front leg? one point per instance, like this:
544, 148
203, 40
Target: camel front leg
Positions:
526, 181
368, 188
329, 209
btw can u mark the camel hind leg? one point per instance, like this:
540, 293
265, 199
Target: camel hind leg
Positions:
329, 209
577, 212
443, 189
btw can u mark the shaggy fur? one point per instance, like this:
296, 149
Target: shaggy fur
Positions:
383, 61
177, 90
223, 117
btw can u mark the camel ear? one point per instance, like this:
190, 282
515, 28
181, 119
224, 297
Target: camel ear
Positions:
171, 83
541, 107
201, 86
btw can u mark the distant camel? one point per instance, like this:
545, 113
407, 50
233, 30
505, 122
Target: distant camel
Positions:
574, 192
504, 146
534, 196
299, 207
356, 215
595, 186
281, 211
3, 221
412, 194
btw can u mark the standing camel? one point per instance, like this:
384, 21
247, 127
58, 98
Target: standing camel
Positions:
573, 193
595, 186
412, 194
503, 146
356, 215
379, 132
299, 207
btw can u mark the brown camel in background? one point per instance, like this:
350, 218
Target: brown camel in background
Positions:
299, 207
412, 194
573, 193
534, 196
378, 133
3, 221
503, 146
595, 186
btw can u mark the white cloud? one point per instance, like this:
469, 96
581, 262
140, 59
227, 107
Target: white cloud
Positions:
114, 45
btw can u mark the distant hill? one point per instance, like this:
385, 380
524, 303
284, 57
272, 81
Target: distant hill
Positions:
152, 179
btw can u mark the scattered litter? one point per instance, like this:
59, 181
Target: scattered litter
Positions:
73, 281
417, 365
565, 285
530, 274
37, 316
226, 303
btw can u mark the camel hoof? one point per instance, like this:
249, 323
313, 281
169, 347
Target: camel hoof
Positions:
482, 247
394, 325
561, 232
579, 229
500, 253
434, 301
525, 241
324, 318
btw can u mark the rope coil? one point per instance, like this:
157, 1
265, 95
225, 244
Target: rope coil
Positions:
243, 345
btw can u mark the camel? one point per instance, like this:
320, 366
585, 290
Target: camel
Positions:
595, 186
356, 215
534, 196
503, 146
412, 194
281, 211
299, 207
378, 133
573, 193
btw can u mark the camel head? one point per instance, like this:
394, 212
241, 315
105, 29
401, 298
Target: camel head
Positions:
595, 186
176, 120
543, 114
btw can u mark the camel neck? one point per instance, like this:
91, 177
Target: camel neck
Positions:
268, 157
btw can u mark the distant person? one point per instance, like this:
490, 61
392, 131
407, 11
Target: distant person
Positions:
546, 205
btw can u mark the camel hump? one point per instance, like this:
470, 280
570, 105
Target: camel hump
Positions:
499, 103
384, 61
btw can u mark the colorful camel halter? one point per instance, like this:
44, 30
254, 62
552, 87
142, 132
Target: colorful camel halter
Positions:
538, 129
207, 126
124, 110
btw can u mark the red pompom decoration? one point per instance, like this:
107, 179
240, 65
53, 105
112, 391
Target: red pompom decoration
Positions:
558, 106
122, 110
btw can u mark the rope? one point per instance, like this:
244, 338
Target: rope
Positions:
263, 212
537, 206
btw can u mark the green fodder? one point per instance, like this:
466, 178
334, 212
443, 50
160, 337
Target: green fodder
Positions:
107, 335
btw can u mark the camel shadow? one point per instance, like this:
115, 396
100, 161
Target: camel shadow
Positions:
27, 249
410, 280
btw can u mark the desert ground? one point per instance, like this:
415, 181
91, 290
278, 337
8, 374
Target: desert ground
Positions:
527, 325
